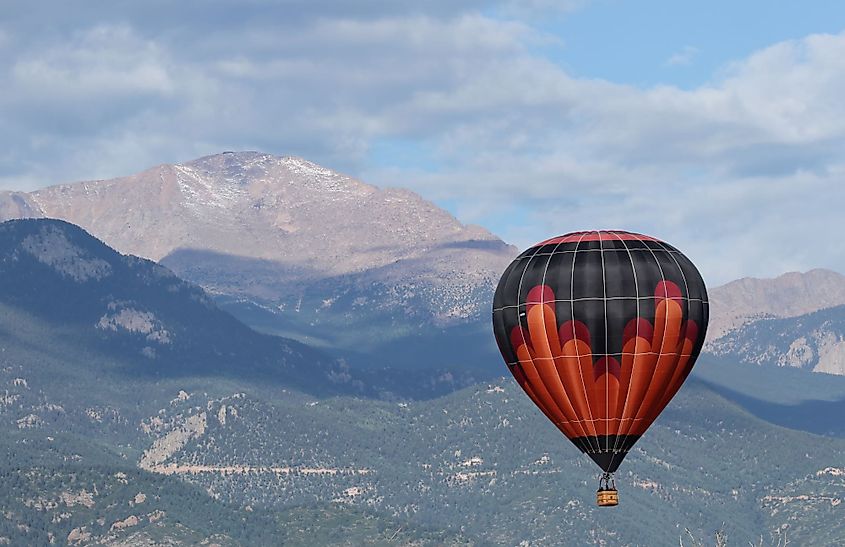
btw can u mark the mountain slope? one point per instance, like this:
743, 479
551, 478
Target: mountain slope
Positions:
485, 461
378, 277
65, 292
294, 249
481, 464
18, 205
63, 490
789, 295
815, 341
267, 227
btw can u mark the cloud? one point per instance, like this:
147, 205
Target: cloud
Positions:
320, 90
744, 172
683, 57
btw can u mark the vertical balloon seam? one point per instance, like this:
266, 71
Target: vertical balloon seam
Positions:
621, 413
589, 426
682, 342
701, 327
690, 361
579, 423
543, 356
667, 360
606, 338
576, 423
669, 394
564, 369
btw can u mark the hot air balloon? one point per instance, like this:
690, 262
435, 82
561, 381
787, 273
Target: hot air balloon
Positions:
600, 329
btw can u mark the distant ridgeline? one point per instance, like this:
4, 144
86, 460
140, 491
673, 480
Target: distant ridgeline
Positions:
77, 296
796, 320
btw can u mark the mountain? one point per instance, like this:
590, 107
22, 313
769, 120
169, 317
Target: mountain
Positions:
66, 293
242, 448
62, 490
72, 302
484, 461
379, 278
98, 499
299, 240
235, 463
814, 341
787, 387
92, 343
789, 295
796, 320
18, 205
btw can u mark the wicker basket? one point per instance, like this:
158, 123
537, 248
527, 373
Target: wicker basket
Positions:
607, 497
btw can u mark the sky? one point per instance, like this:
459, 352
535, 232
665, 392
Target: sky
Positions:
718, 127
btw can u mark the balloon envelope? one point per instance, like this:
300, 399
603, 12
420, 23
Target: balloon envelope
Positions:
600, 329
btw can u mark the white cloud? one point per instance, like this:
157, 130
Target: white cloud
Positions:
744, 172
104, 60
683, 57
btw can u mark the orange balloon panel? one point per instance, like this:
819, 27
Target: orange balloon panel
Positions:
601, 329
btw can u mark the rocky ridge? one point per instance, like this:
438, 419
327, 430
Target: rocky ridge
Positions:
789, 295
265, 228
